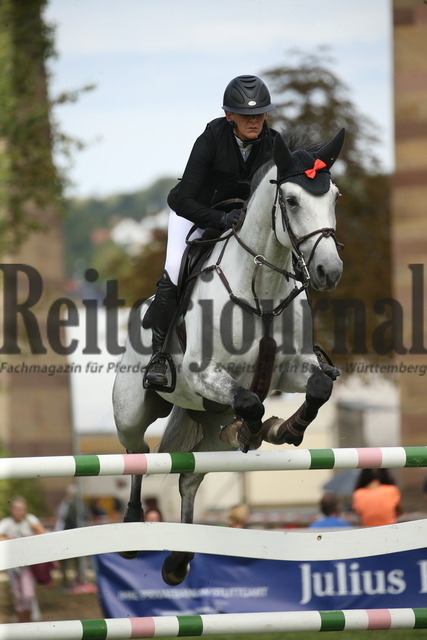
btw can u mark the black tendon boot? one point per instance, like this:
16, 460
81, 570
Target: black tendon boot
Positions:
164, 306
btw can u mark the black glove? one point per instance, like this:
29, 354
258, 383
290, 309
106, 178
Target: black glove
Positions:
230, 219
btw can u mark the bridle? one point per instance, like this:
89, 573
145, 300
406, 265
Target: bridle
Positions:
300, 264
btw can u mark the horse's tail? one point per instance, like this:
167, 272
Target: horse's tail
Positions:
181, 434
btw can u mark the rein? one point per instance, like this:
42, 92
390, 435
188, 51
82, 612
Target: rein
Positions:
259, 261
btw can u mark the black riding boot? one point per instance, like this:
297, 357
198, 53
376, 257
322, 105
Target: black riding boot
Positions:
164, 306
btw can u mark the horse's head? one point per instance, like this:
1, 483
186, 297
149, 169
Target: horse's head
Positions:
305, 220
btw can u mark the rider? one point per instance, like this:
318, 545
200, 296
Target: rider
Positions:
220, 167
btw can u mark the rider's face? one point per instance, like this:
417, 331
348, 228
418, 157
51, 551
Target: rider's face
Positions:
248, 127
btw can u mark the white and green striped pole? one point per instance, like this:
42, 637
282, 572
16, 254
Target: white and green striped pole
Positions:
207, 625
199, 462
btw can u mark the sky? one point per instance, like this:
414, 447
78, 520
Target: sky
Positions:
161, 66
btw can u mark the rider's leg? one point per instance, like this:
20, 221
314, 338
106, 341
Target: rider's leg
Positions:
164, 306
178, 230
165, 301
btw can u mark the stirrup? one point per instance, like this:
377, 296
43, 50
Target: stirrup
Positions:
155, 372
161, 361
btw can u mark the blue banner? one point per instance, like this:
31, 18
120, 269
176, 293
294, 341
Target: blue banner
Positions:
219, 584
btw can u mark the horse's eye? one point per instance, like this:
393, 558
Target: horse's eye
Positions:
292, 201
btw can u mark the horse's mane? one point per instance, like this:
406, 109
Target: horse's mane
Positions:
295, 140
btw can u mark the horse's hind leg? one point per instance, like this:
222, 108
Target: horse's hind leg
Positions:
134, 511
177, 565
291, 431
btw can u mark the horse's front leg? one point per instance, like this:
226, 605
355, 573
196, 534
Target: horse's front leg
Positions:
177, 564
214, 383
291, 431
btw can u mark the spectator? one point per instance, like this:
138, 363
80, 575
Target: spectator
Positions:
331, 508
376, 499
238, 516
97, 513
153, 514
22, 583
67, 519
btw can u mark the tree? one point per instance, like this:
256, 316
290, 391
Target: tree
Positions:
30, 235
312, 99
27, 172
84, 218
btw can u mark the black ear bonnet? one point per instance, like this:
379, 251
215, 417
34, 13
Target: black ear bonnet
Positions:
309, 169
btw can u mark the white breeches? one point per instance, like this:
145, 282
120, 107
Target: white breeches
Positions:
178, 230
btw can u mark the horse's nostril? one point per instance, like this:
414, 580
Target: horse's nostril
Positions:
321, 274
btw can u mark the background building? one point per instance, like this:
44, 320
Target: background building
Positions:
409, 220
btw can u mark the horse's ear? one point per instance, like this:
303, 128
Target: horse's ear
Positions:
331, 150
281, 155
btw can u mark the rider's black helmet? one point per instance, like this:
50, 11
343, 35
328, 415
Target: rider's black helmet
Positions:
246, 95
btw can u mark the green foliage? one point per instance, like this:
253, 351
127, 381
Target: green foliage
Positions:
84, 218
312, 99
27, 173
136, 275
363, 226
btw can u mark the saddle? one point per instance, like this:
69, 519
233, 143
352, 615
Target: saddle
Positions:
194, 257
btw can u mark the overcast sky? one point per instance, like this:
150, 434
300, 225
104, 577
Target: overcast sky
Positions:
161, 67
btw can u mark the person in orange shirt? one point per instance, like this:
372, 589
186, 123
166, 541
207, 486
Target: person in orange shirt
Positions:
376, 499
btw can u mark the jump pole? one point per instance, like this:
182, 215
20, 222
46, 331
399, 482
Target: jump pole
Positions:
228, 623
200, 462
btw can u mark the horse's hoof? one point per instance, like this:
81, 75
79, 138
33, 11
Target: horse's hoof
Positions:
172, 579
176, 568
290, 431
248, 439
228, 434
128, 555
331, 372
319, 388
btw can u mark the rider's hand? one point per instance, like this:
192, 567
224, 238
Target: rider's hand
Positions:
230, 219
